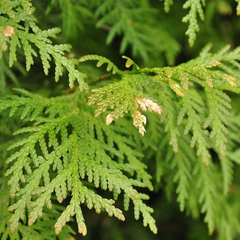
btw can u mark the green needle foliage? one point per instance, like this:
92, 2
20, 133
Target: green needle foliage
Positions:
118, 133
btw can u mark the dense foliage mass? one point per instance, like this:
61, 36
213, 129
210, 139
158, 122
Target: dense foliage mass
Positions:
143, 121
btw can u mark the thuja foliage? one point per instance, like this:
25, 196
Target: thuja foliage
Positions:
112, 135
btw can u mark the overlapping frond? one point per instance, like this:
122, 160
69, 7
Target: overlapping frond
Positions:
196, 8
183, 104
129, 91
182, 162
43, 229
169, 117
19, 37
167, 4
101, 60
79, 151
193, 107
75, 144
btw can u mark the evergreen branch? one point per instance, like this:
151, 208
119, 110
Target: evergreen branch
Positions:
72, 148
227, 162
205, 187
101, 61
218, 103
224, 60
146, 211
25, 200
10, 10
208, 196
130, 63
33, 105
227, 171
114, 96
169, 116
125, 146
56, 51
22, 37
183, 175
195, 8
167, 4
124, 98
76, 154
192, 104
43, 229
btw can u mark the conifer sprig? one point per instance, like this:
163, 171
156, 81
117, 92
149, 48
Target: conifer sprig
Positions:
195, 9
41, 230
167, 4
77, 153
18, 36
128, 94
69, 147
